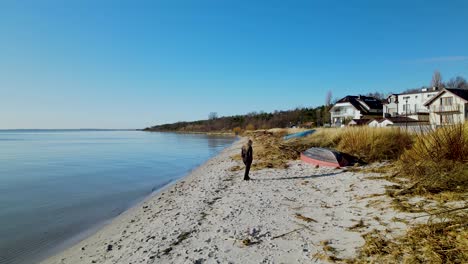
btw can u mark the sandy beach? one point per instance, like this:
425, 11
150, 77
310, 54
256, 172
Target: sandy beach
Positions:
291, 215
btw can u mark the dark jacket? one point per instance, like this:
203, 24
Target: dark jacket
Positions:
247, 154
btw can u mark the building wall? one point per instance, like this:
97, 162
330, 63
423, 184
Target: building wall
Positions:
458, 115
342, 111
420, 117
414, 102
413, 128
391, 107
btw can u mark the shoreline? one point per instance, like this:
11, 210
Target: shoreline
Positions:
220, 133
86, 234
79, 238
212, 215
74, 240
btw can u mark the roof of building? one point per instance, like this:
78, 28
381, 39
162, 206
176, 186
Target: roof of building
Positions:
378, 120
359, 101
398, 119
401, 119
429, 90
360, 122
462, 93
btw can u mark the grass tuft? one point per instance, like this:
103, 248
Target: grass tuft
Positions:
441, 241
360, 224
437, 161
305, 218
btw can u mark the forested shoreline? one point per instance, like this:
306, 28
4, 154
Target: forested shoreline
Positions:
305, 117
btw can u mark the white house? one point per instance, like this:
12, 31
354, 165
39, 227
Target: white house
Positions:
449, 106
409, 104
355, 107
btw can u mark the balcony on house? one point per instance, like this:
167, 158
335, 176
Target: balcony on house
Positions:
422, 110
343, 112
454, 108
412, 112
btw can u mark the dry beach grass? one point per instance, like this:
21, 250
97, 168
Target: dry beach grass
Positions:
367, 144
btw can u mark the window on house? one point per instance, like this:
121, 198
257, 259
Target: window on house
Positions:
466, 111
446, 119
406, 107
446, 101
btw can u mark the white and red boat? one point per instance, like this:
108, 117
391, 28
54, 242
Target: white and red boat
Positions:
324, 157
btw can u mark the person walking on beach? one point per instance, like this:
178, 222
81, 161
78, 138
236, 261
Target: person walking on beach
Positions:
247, 157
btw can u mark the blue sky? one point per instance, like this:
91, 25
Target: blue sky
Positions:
132, 64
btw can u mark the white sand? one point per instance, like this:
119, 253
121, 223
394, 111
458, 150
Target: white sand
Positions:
219, 210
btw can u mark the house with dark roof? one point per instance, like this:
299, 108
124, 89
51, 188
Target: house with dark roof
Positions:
449, 106
355, 107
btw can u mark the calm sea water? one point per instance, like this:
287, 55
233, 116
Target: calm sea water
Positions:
56, 187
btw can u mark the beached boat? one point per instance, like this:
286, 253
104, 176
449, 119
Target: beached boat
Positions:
299, 134
324, 157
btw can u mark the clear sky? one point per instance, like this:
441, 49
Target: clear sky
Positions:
132, 64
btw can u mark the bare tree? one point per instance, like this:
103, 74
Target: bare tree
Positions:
377, 95
457, 82
318, 115
437, 80
328, 98
213, 116
413, 90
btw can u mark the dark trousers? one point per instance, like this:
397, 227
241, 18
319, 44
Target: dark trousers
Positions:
247, 169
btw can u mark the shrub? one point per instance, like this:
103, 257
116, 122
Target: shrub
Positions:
237, 130
250, 127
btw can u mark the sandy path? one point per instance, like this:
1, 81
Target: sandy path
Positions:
205, 218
